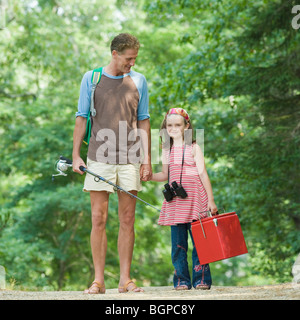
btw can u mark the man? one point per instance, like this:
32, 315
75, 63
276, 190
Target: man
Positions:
120, 126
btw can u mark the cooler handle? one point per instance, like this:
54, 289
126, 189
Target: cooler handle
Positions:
201, 221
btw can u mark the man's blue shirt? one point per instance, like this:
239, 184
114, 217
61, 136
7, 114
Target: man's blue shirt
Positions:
138, 79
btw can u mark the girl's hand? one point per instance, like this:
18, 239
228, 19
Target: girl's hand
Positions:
145, 172
146, 176
212, 207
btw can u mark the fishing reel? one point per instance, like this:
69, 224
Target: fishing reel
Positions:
62, 165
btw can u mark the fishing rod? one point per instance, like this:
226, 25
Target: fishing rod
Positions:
63, 164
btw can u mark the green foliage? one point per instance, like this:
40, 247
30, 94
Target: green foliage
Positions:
233, 64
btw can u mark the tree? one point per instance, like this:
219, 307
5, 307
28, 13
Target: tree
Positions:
248, 54
45, 225
233, 64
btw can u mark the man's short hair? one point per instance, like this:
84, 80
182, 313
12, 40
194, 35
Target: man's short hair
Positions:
124, 41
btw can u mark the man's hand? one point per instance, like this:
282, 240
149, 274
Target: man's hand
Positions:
145, 134
77, 162
145, 172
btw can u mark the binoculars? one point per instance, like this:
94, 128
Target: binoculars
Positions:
172, 191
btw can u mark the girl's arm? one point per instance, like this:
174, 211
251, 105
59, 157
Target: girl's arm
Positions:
163, 175
200, 163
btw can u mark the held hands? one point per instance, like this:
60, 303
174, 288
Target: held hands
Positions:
145, 172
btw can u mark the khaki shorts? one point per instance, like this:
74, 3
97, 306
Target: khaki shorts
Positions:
127, 176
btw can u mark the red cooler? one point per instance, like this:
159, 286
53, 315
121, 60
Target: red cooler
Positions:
218, 237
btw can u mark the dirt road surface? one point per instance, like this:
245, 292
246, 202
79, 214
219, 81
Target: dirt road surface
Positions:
287, 291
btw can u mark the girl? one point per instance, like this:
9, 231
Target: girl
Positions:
183, 162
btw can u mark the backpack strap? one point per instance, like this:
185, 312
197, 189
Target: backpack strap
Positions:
96, 76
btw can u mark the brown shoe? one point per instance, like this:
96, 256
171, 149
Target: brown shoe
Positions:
130, 286
95, 288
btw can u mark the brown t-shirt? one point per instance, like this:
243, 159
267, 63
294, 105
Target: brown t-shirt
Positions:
114, 136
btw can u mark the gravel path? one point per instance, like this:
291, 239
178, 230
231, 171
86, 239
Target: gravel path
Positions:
287, 291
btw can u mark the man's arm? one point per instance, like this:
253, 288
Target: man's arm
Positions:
146, 168
78, 135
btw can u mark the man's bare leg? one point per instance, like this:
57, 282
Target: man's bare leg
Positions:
99, 207
126, 237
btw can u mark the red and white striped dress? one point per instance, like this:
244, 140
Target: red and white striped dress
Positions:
184, 210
